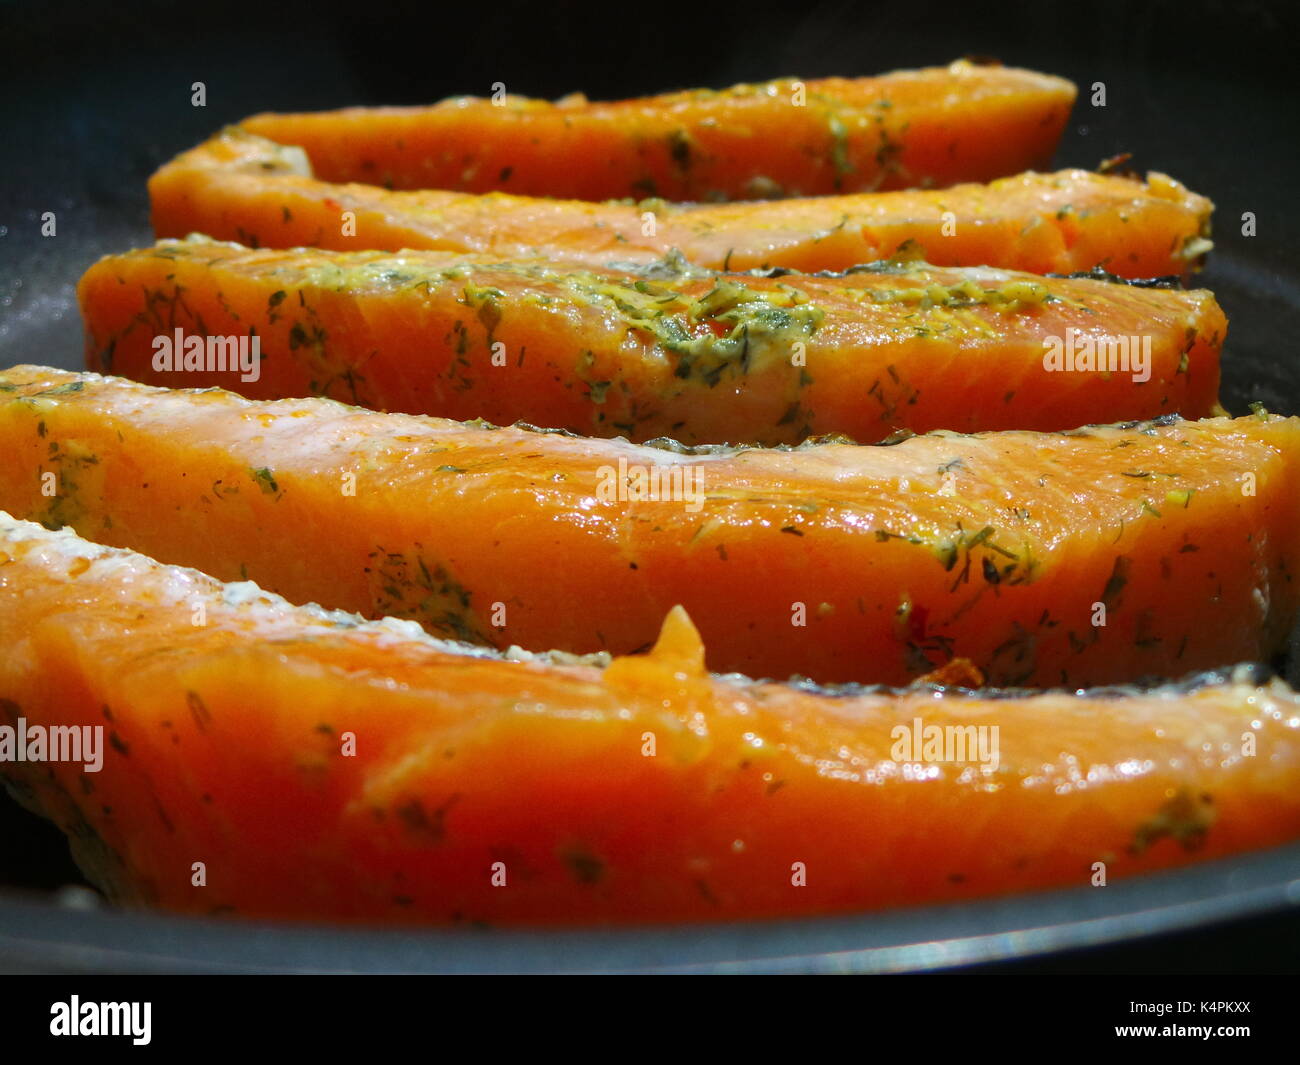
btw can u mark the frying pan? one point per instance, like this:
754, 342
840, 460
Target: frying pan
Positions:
100, 95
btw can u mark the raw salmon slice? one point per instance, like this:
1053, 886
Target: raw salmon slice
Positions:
699, 356
241, 187
276, 761
1076, 558
787, 137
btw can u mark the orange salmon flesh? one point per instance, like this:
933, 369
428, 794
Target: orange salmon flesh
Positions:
922, 128
245, 188
1088, 557
446, 476
674, 352
284, 762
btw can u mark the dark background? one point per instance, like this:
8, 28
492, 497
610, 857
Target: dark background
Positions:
96, 96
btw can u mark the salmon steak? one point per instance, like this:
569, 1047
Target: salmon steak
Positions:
267, 760
788, 137
771, 502
666, 351
241, 187
1087, 557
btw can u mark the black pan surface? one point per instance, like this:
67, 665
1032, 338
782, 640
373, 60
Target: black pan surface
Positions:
99, 95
